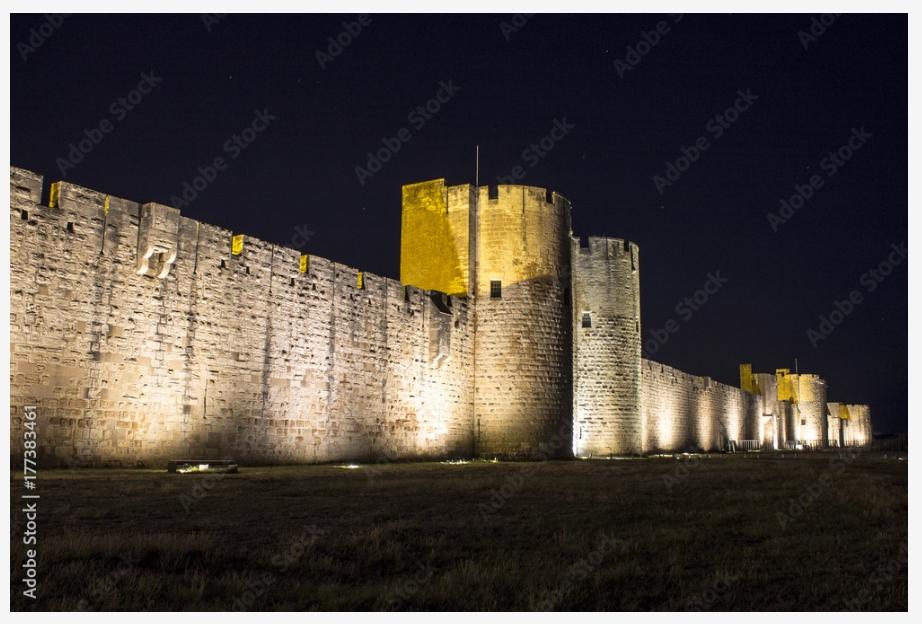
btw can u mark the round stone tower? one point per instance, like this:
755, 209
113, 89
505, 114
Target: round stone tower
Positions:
810, 411
607, 410
521, 281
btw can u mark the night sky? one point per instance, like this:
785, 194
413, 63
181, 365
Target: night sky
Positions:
621, 120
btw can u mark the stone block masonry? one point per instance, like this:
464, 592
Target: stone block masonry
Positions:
523, 357
608, 419
142, 336
686, 412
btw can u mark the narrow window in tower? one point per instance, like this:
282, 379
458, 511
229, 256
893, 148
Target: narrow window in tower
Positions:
587, 319
803, 422
496, 289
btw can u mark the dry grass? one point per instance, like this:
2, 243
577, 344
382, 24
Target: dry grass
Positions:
611, 535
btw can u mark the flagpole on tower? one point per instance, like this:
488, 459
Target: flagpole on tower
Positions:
477, 168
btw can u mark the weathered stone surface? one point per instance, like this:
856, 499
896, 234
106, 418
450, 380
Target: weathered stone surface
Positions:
608, 419
523, 386
141, 337
686, 412
223, 356
849, 424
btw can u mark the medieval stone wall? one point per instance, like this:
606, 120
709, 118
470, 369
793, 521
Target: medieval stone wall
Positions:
223, 355
850, 423
142, 335
686, 412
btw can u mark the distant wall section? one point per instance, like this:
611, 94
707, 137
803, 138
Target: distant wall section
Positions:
686, 412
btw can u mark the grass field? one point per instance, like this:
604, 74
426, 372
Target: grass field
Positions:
724, 532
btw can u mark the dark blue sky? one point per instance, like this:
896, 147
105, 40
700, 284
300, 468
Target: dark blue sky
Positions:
507, 88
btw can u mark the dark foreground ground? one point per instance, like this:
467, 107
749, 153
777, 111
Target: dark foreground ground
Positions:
738, 532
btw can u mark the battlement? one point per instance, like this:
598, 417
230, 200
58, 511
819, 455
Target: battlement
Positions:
696, 383
423, 194
91, 215
605, 246
497, 194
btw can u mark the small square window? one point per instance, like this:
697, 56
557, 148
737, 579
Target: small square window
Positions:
70, 227
587, 319
496, 289
803, 422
